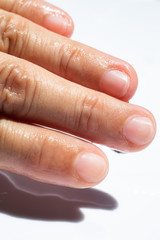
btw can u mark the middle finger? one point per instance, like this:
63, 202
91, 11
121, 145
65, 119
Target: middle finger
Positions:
66, 58
31, 93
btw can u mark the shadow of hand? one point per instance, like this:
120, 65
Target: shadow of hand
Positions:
24, 197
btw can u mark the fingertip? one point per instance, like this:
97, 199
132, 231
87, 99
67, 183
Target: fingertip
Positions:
56, 19
119, 79
133, 81
90, 168
70, 27
139, 129
59, 24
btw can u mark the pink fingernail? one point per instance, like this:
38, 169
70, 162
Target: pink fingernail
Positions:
115, 82
139, 130
91, 167
56, 24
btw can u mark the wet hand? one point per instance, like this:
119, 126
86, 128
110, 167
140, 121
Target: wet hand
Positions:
46, 79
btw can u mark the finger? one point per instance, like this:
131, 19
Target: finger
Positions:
50, 156
32, 93
42, 13
69, 59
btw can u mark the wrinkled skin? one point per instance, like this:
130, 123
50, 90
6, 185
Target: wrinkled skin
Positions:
46, 79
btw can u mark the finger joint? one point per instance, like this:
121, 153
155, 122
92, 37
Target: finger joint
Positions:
87, 117
69, 59
17, 91
13, 34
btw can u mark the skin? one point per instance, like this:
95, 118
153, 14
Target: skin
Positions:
48, 80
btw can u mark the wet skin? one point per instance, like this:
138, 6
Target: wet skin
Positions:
48, 79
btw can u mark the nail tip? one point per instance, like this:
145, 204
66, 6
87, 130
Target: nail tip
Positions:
91, 168
58, 24
139, 130
115, 81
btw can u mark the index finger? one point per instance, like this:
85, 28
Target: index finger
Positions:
42, 13
69, 59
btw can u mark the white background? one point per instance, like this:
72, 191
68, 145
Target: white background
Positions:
126, 205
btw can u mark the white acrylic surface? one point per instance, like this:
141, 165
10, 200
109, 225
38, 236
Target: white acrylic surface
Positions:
126, 205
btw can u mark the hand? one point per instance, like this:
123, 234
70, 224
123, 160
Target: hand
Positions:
75, 89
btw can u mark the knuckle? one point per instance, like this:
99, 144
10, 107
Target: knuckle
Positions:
13, 34
87, 117
41, 150
42, 155
69, 57
36, 156
17, 91
19, 6
15, 5
4, 40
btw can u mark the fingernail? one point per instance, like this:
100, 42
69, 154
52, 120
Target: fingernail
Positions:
91, 167
115, 82
57, 24
139, 130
